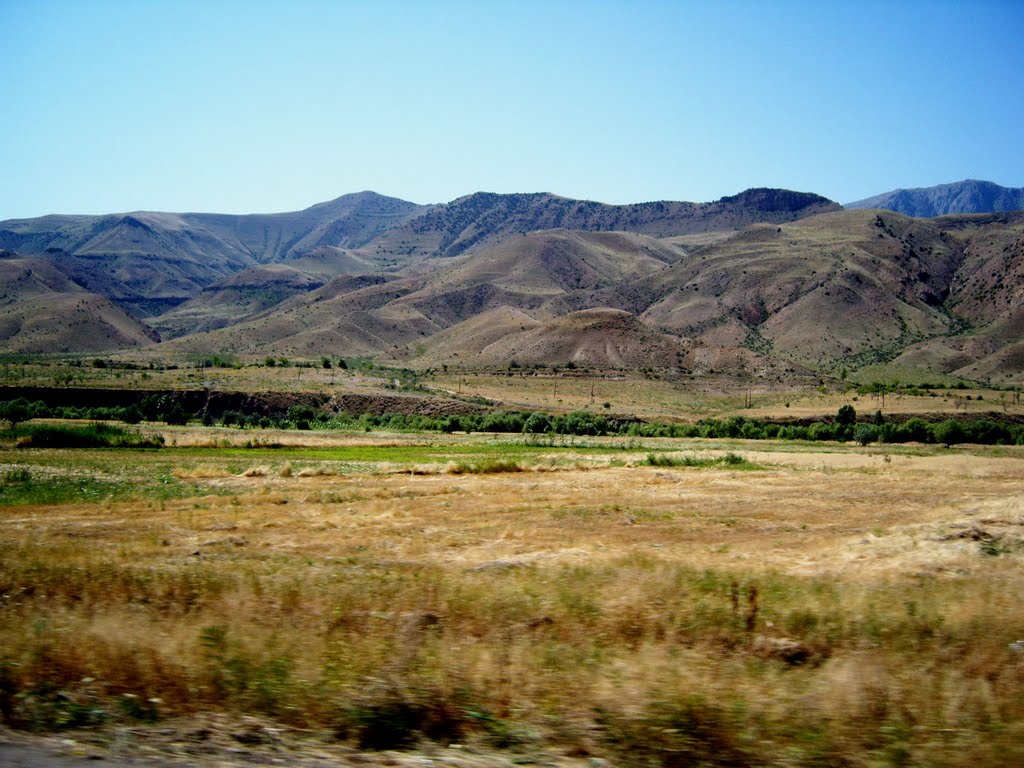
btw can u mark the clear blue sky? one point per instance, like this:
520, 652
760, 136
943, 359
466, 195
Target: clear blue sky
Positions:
270, 106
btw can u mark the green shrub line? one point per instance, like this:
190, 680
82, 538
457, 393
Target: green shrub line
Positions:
845, 426
96, 435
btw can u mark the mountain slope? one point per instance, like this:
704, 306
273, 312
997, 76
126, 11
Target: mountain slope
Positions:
838, 289
546, 273
149, 263
602, 337
145, 262
987, 295
542, 274
847, 286
42, 310
968, 196
841, 289
246, 294
484, 218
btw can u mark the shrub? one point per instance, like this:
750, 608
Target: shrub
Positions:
130, 414
485, 467
684, 731
537, 424
728, 459
821, 431
866, 433
912, 430
987, 432
580, 423
84, 436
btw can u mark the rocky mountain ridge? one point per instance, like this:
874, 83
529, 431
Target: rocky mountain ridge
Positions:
763, 283
150, 262
968, 196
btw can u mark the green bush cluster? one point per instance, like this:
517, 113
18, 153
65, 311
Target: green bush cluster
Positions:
99, 435
844, 427
21, 409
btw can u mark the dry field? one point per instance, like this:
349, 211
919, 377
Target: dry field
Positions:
709, 396
609, 393
549, 602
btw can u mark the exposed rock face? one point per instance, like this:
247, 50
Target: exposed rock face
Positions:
776, 200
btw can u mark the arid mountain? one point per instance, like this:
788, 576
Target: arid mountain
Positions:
987, 298
151, 262
839, 290
844, 286
484, 218
246, 294
854, 288
548, 273
466, 284
605, 338
348, 222
545, 274
235, 299
42, 310
969, 196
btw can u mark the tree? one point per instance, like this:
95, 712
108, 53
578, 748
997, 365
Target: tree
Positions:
301, 416
15, 411
949, 432
846, 415
537, 423
176, 415
866, 433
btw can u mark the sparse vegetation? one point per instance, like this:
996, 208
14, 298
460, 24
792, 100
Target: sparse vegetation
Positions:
728, 460
654, 618
485, 467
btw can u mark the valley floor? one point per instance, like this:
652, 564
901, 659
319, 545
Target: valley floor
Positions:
487, 599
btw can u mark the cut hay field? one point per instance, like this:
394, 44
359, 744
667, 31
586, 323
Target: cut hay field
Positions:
489, 600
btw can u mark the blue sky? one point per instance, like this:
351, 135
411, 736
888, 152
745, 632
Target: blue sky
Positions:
237, 106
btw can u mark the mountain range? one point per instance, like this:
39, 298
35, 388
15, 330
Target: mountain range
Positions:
969, 196
767, 283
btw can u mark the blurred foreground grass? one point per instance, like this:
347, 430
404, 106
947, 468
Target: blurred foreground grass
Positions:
316, 587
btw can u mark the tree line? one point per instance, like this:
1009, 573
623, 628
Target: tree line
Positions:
845, 426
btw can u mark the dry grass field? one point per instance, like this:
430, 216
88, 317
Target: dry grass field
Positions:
651, 602
613, 393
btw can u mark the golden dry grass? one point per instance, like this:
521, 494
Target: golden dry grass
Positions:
847, 607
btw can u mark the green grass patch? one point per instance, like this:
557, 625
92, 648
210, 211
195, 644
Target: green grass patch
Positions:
22, 487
